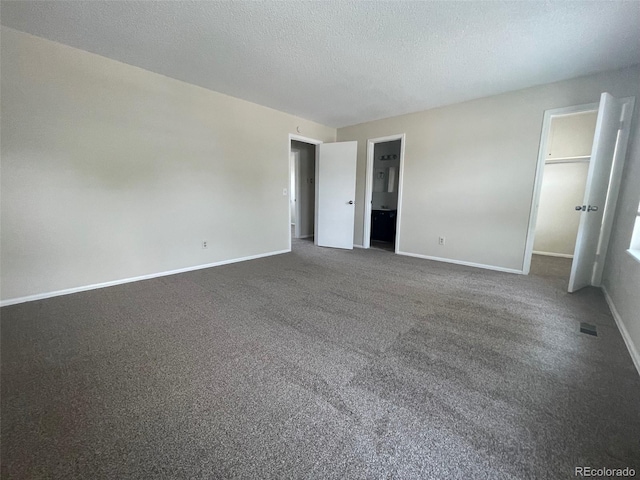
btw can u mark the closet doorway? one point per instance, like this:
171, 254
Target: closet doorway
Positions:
582, 152
383, 192
564, 179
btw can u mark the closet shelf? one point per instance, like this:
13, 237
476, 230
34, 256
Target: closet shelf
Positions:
580, 158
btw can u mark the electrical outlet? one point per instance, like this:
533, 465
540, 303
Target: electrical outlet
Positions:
441, 240
205, 244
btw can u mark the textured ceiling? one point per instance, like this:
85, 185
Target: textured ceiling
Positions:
347, 62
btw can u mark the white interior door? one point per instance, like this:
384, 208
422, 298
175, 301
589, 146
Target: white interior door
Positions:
598, 207
335, 194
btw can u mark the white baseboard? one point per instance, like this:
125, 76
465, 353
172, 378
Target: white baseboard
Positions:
460, 262
358, 246
635, 356
551, 254
41, 296
306, 236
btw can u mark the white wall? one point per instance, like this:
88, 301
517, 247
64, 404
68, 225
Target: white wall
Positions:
572, 135
470, 168
621, 277
110, 171
563, 186
306, 185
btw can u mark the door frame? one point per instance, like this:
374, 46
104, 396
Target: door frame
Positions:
314, 142
368, 189
537, 185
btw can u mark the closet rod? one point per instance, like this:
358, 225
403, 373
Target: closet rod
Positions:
582, 159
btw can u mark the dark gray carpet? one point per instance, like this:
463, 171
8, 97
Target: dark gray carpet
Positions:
554, 270
318, 364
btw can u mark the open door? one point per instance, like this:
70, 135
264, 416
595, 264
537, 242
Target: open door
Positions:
336, 191
601, 193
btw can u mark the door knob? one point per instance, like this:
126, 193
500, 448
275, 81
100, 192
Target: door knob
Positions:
350, 202
581, 207
592, 209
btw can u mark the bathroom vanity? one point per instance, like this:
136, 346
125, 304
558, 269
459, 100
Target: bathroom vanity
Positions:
383, 225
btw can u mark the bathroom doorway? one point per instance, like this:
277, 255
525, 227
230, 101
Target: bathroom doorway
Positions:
383, 192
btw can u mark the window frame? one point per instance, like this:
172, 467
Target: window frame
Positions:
634, 243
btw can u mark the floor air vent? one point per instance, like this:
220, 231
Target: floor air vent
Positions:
588, 329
